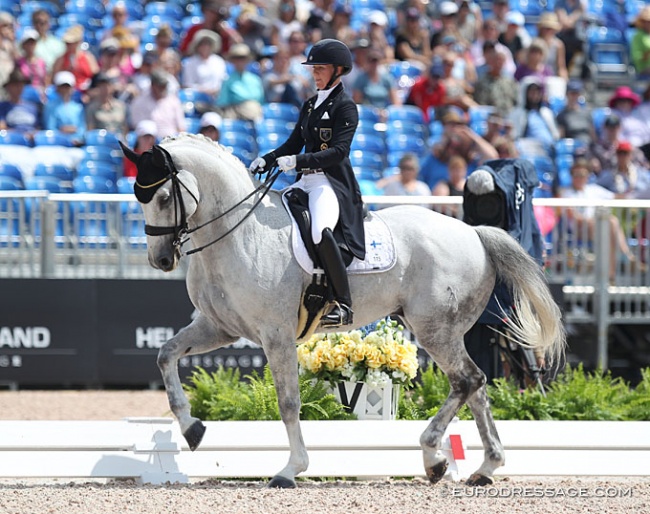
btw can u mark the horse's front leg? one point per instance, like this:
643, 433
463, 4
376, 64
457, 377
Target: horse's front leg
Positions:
283, 361
198, 337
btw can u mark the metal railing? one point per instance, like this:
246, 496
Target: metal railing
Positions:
102, 236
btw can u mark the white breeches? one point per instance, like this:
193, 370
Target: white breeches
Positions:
323, 204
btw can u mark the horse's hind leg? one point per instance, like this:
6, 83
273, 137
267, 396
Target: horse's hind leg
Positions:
465, 378
494, 455
200, 336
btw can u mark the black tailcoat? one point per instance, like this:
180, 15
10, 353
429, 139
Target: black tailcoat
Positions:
326, 134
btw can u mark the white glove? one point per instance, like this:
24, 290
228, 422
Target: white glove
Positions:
258, 165
287, 162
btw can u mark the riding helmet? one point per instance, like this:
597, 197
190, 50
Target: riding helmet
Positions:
330, 51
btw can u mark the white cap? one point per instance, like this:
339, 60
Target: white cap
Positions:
515, 18
146, 128
447, 8
64, 77
29, 33
378, 18
210, 119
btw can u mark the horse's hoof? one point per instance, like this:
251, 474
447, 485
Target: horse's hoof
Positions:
479, 480
194, 434
280, 482
436, 472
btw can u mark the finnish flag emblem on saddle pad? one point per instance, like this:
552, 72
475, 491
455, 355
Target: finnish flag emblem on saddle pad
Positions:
380, 249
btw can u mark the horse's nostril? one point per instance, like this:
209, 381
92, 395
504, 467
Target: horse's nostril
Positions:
165, 262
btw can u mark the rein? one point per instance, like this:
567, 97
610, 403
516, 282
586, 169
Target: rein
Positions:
182, 230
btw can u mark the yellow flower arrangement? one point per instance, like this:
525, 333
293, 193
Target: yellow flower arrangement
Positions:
380, 357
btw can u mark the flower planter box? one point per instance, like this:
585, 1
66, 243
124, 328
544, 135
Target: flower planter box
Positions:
366, 401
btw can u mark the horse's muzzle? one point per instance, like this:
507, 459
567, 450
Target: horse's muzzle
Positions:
166, 261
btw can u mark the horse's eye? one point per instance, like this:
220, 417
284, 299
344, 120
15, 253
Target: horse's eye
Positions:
164, 197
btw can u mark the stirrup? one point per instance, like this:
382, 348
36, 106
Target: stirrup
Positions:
338, 316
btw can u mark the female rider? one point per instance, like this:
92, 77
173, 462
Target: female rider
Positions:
325, 129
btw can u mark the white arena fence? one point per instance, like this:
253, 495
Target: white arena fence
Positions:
68, 236
152, 450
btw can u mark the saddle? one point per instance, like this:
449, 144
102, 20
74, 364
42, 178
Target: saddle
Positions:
380, 257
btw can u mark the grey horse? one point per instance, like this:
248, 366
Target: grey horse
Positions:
246, 282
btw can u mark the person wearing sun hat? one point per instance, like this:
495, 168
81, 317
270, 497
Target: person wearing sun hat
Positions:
81, 63
242, 93
15, 112
548, 27
205, 70
623, 103
640, 42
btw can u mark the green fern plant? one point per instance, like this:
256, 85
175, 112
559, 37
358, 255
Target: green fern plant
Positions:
222, 395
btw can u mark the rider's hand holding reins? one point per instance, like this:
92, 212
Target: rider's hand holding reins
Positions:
258, 166
287, 163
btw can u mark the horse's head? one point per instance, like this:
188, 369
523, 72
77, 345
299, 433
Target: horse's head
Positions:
169, 197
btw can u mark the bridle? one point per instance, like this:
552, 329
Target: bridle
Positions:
181, 230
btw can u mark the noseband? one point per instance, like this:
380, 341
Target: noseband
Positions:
180, 231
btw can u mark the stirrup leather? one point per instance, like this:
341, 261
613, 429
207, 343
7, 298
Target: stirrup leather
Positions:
338, 316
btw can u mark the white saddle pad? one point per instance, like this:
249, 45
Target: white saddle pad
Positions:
380, 249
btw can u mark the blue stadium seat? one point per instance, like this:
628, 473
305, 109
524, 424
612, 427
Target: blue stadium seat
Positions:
406, 143
165, 9
242, 154
280, 111
369, 187
404, 68
93, 184
406, 113
238, 140
567, 146
11, 171
365, 160
368, 113
367, 173
52, 138
608, 57
192, 101
8, 183
368, 142
269, 141
101, 153
125, 185
192, 125
403, 127
57, 171
598, 116
11, 137
274, 126
97, 169
51, 184
102, 137
241, 126
91, 8
31, 6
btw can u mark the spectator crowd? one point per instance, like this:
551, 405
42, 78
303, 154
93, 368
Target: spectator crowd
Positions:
456, 82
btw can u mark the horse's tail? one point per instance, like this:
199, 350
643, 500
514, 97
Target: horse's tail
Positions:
537, 323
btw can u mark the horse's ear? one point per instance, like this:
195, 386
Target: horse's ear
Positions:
129, 154
159, 157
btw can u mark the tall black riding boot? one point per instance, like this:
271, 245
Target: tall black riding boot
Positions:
332, 261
